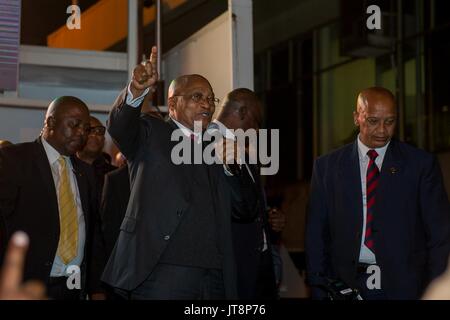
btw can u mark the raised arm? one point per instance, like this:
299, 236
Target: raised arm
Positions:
124, 123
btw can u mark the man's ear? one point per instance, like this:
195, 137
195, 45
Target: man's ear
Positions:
50, 122
355, 118
171, 104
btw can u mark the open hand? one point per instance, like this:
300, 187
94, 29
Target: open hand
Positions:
277, 219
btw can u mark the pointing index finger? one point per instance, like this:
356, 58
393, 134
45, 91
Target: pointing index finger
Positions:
154, 57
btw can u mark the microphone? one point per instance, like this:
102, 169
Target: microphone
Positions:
234, 168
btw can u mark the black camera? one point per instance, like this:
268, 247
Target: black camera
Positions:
335, 289
338, 290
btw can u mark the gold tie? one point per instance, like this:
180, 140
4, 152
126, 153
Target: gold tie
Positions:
68, 220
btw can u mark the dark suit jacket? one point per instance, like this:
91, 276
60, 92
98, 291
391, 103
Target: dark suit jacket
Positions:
411, 220
248, 244
116, 193
160, 195
28, 202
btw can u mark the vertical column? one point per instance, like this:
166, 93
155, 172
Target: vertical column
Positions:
158, 35
132, 40
400, 72
241, 12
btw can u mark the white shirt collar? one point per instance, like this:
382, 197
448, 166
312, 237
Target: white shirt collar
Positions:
363, 149
227, 133
186, 131
51, 152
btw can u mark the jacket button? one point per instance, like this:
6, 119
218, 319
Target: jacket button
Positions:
48, 263
166, 237
179, 213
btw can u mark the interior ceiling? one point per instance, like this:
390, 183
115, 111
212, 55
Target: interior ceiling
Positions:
42, 17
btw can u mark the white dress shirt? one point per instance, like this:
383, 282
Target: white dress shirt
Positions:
59, 269
188, 132
366, 255
135, 102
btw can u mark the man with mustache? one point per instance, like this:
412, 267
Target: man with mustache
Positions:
175, 240
51, 195
378, 218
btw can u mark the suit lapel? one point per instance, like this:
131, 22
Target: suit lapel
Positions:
350, 180
47, 177
187, 171
83, 188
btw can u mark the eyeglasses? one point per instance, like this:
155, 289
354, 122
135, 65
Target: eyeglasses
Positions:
198, 97
98, 130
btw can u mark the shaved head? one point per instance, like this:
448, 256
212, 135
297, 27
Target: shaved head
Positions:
376, 116
374, 94
95, 122
66, 125
191, 99
178, 85
62, 104
241, 109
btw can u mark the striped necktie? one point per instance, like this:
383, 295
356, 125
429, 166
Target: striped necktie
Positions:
372, 177
68, 219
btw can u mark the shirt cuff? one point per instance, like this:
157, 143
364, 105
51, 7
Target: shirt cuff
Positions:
227, 172
135, 102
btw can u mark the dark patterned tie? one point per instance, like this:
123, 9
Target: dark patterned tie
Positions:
372, 177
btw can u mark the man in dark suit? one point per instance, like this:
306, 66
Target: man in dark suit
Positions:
175, 240
48, 193
114, 200
252, 238
378, 216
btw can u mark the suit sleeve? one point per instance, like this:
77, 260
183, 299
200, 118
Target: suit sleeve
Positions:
244, 196
126, 127
111, 213
8, 193
435, 210
97, 259
317, 234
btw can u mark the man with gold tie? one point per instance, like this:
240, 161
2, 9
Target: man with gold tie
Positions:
51, 195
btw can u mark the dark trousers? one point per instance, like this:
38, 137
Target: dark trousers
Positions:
174, 282
57, 290
266, 284
366, 293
